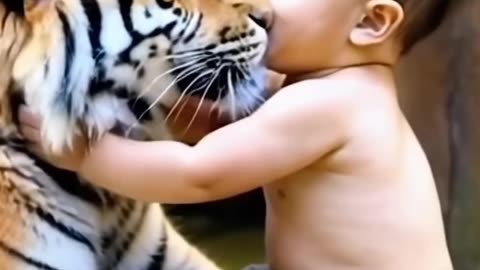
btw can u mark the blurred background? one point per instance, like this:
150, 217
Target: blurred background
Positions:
440, 94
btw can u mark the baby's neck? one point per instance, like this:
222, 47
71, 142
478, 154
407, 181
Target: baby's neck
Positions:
293, 78
376, 72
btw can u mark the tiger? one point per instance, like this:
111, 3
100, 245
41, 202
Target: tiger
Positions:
95, 66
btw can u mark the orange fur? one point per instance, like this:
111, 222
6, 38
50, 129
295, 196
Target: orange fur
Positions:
13, 36
17, 197
10, 215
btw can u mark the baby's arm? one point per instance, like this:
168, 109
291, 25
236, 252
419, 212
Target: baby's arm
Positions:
287, 134
205, 117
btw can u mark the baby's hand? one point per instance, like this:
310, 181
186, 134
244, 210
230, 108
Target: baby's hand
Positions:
69, 159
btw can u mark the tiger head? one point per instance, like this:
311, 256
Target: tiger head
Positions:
86, 59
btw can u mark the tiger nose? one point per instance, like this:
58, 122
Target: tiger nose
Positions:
264, 18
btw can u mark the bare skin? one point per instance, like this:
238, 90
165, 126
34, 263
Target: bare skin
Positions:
370, 203
346, 181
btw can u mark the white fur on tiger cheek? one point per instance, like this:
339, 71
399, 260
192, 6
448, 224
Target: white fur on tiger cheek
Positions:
103, 113
113, 38
261, 37
249, 95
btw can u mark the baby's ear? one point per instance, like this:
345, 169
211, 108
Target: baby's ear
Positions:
379, 22
37, 10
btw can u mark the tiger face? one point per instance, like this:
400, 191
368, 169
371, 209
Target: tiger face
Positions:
91, 66
223, 63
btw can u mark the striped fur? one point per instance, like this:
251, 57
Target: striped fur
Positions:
118, 62
94, 66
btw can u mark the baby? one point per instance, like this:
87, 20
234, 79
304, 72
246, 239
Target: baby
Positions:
346, 182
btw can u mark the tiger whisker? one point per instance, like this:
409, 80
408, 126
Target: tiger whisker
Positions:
203, 98
192, 57
190, 70
243, 89
215, 105
246, 76
99, 54
249, 91
183, 94
156, 79
180, 56
243, 69
193, 92
231, 92
203, 50
247, 47
130, 128
180, 76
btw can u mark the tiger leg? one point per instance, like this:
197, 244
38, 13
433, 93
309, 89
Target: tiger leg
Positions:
158, 246
35, 231
182, 255
33, 239
257, 267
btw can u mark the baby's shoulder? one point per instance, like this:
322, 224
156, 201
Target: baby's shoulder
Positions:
319, 96
315, 105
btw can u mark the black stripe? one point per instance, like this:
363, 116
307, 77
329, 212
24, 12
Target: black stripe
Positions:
236, 51
123, 215
195, 30
64, 97
186, 19
94, 15
125, 11
158, 258
125, 243
137, 38
47, 217
36, 181
66, 180
15, 6
27, 260
165, 4
14, 142
140, 109
166, 30
70, 183
65, 230
12, 45
4, 20
20, 174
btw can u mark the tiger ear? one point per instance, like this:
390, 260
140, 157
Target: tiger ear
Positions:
36, 10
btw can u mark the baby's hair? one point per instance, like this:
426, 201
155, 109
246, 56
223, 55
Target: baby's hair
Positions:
422, 17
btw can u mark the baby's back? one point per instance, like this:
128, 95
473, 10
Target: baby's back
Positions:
372, 204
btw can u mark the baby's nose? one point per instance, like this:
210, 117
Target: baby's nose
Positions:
264, 18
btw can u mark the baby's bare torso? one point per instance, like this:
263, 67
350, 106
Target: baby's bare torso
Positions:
370, 205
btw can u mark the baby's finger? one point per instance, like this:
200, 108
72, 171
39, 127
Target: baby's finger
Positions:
38, 150
27, 117
31, 134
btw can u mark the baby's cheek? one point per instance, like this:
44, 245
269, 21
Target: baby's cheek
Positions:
276, 60
274, 82
277, 49
272, 53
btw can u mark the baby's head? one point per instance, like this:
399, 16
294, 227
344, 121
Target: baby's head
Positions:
311, 35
